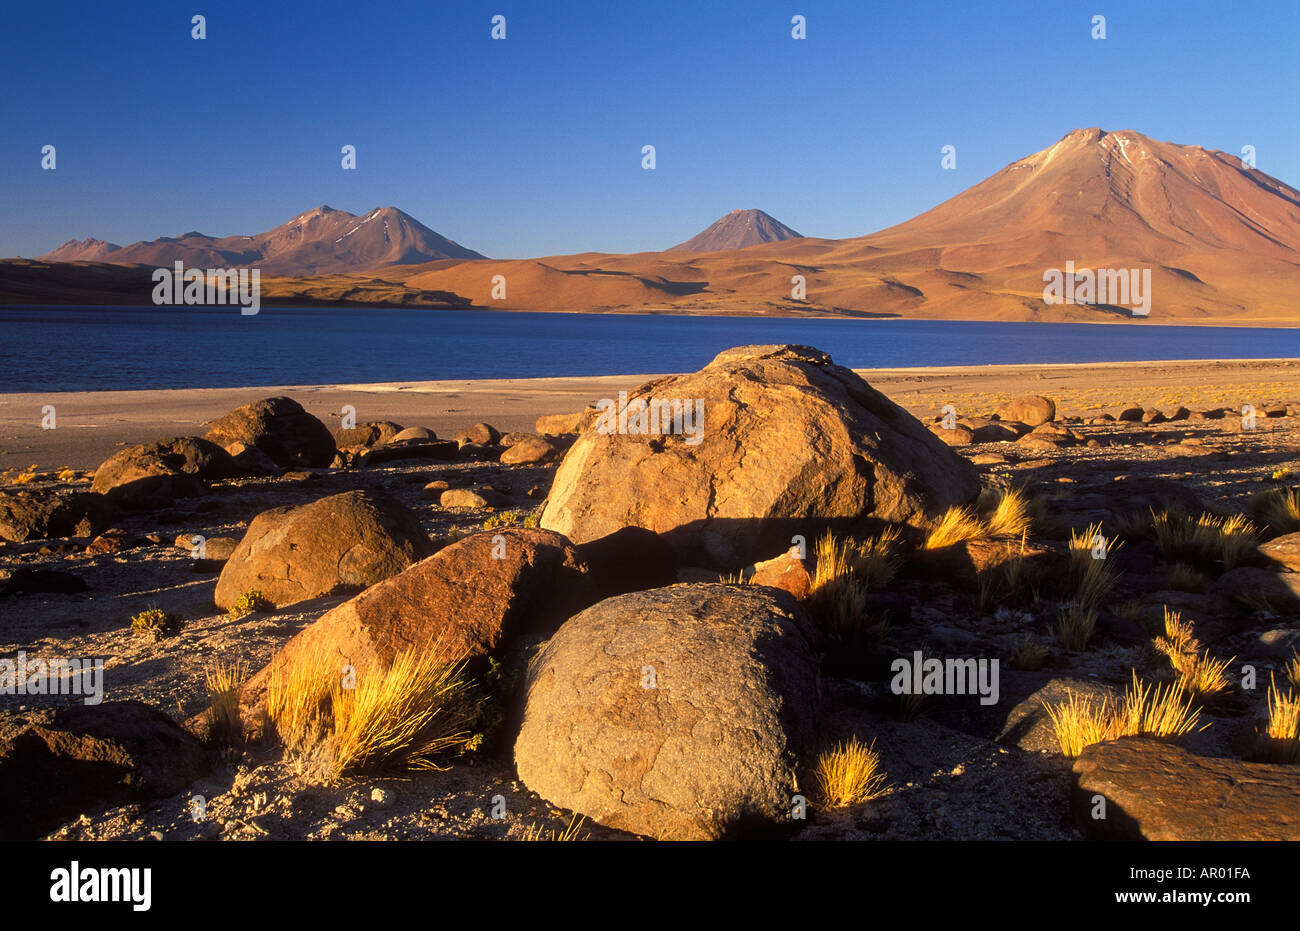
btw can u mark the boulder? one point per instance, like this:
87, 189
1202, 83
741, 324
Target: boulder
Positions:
279, 427
371, 433
84, 759
964, 564
472, 598
995, 432
394, 450
30, 580
1282, 552
788, 444
630, 560
529, 451
1252, 586
39, 515
1028, 725
251, 460
155, 473
786, 572
481, 434
462, 498
1131, 414
413, 434
346, 541
1158, 791
958, 435
678, 713
1030, 410
557, 424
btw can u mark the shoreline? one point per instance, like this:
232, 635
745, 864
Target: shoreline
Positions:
91, 425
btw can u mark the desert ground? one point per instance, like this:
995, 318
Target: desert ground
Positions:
955, 769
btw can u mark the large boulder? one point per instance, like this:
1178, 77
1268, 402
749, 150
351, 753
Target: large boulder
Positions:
280, 428
1157, 791
1282, 552
789, 444
1031, 410
679, 713
157, 472
1278, 591
471, 599
529, 451
40, 515
371, 433
346, 541
84, 759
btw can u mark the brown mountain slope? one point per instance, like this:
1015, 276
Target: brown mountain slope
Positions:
1222, 243
737, 230
320, 241
81, 250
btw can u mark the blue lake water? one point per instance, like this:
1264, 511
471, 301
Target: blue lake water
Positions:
78, 349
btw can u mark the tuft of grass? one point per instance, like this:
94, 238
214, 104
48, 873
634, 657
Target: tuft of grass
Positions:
1030, 653
1157, 711
1076, 624
1282, 733
1092, 579
535, 832
1205, 540
223, 683
1198, 673
1183, 578
1292, 669
957, 525
67, 475
1011, 516
837, 596
850, 773
502, 519
419, 710
155, 623
1279, 508
877, 560
25, 476
250, 602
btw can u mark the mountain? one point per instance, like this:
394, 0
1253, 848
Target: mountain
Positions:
323, 241
738, 230
1221, 241
81, 250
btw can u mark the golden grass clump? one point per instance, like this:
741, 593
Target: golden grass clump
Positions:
407, 717
1205, 539
1011, 515
1157, 711
850, 773
1279, 508
877, 560
1292, 669
223, 682
838, 597
535, 832
1198, 673
1283, 730
1183, 578
957, 525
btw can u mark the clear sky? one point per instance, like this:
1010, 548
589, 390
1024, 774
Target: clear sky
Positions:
532, 146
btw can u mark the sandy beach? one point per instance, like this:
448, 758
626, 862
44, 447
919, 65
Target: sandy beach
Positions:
91, 425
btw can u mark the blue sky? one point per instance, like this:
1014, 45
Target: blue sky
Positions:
532, 146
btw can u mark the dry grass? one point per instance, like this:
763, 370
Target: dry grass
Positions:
407, 717
838, 597
850, 773
957, 525
1198, 673
1076, 624
1282, 744
1157, 711
1291, 669
1205, 540
223, 682
1183, 578
877, 560
535, 832
1279, 508
1011, 515
1091, 578
1030, 653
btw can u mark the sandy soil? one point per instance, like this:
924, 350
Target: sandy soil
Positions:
91, 425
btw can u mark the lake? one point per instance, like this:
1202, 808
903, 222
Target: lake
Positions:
88, 348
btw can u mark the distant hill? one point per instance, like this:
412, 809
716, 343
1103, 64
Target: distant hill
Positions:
738, 230
322, 241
